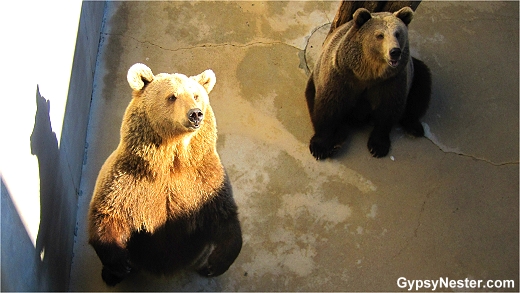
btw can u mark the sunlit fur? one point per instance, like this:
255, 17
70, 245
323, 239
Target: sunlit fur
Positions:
163, 172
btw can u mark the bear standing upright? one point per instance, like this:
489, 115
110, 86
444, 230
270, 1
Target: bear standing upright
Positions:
162, 200
365, 71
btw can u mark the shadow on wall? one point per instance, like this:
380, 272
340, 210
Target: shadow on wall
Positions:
50, 245
44, 267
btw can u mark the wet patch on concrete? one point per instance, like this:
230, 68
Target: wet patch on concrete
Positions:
349, 223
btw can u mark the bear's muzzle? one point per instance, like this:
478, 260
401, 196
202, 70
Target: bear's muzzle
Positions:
395, 56
195, 116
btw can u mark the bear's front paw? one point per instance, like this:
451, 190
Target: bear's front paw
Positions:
378, 146
206, 271
112, 276
115, 273
321, 148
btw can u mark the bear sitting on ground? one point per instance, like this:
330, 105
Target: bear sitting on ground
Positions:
365, 72
162, 200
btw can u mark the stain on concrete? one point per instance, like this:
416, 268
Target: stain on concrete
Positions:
195, 22
352, 223
452, 70
275, 84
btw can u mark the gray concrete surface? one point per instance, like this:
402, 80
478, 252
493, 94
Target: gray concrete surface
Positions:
436, 207
50, 57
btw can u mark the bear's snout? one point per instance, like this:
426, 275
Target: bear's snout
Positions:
195, 117
395, 56
395, 53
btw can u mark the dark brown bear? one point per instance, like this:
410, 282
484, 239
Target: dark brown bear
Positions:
365, 72
162, 200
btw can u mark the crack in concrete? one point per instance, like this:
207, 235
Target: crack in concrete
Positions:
448, 150
419, 224
207, 45
420, 216
472, 156
430, 136
305, 61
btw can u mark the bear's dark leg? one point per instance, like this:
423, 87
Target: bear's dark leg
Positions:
115, 262
389, 99
220, 222
310, 93
379, 140
227, 244
329, 115
318, 146
361, 112
418, 99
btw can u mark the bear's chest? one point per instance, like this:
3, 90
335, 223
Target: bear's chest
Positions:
174, 195
185, 188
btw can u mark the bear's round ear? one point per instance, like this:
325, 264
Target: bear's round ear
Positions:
405, 14
361, 16
207, 79
138, 76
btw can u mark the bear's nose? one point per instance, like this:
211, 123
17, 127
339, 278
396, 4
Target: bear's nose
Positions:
395, 53
195, 116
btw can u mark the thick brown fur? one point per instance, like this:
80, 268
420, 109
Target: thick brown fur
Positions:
162, 200
365, 71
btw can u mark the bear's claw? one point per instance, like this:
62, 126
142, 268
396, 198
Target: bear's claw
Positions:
321, 149
112, 277
206, 272
378, 147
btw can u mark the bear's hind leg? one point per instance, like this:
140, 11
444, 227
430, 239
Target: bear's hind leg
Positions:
116, 265
108, 236
223, 250
418, 99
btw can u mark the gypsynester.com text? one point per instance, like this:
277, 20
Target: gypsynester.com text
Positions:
446, 283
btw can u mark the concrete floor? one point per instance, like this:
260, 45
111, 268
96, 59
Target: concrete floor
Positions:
441, 206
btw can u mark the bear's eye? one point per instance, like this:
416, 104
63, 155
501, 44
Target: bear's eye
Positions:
196, 97
397, 35
172, 98
380, 36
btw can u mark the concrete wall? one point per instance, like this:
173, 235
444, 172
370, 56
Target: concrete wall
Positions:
47, 76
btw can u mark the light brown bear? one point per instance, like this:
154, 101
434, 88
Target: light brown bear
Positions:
162, 200
365, 72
